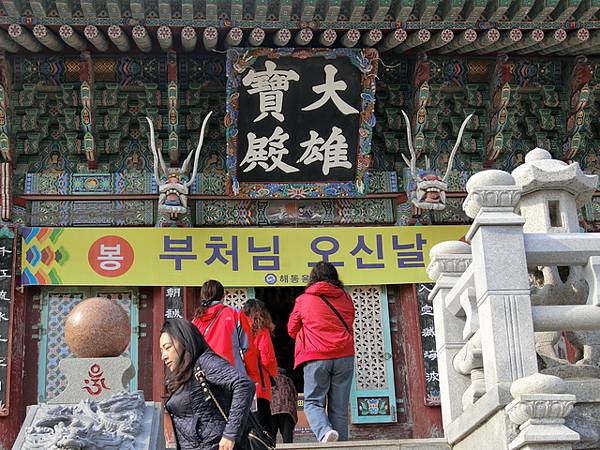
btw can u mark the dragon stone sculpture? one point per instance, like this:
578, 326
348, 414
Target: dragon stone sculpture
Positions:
112, 424
174, 182
429, 190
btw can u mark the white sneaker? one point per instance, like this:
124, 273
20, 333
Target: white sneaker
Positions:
330, 436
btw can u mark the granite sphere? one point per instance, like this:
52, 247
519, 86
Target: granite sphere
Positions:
96, 328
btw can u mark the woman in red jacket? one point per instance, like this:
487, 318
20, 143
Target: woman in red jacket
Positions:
226, 330
261, 329
321, 322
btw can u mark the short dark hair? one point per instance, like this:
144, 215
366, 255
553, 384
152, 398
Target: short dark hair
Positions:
325, 271
193, 345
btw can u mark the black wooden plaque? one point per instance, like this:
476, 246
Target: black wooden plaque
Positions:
432, 380
298, 123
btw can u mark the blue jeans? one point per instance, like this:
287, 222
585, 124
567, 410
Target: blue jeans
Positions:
329, 379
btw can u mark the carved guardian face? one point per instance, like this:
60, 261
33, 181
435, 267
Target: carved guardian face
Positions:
430, 193
174, 189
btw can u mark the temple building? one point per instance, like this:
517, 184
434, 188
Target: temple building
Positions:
149, 145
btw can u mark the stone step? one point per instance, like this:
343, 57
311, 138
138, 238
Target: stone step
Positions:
399, 444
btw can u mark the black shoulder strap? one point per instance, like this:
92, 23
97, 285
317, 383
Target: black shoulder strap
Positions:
336, 312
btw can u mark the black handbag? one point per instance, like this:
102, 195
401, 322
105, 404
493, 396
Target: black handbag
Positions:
258, 438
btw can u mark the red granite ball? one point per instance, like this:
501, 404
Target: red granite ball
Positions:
96, 328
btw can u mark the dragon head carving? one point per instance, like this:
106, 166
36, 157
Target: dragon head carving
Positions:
174, 182
430, 189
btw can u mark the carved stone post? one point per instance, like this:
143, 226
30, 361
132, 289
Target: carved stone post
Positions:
448, 262
539, 409
501, 279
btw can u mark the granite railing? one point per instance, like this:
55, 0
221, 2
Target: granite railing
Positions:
485, 322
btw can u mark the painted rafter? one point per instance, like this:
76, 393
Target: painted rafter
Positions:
380, 10
496, 9
39, 8
519, 10
114, 9
333, 10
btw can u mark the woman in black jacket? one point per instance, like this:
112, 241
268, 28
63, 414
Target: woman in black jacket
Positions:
198, 423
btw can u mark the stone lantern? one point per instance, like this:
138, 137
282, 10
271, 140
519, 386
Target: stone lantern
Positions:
553, 192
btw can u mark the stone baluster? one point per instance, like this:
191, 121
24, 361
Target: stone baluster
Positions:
539, 408
448, 262
469, 362
501, 278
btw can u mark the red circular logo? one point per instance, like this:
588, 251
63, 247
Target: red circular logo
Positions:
110, 256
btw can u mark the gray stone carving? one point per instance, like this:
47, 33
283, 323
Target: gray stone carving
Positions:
429, 192
122, 422
174, 182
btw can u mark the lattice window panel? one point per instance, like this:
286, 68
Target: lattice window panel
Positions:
235, 297
59, 306
370, 369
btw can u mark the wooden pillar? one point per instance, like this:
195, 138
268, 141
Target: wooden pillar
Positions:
12, 338
426, 420
86, 91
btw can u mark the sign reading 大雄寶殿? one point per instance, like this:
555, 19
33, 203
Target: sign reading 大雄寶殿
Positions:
296, 116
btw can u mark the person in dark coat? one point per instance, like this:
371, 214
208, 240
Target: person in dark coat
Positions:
198, 423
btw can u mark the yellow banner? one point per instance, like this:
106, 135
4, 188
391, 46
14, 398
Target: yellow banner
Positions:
235, 256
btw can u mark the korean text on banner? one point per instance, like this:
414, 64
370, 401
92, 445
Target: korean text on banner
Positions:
236, 257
